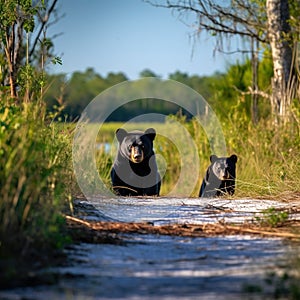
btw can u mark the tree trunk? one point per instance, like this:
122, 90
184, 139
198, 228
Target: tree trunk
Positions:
279, 30
9, 48
254, 66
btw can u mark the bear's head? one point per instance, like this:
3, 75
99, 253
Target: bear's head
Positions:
223, 167
136, 145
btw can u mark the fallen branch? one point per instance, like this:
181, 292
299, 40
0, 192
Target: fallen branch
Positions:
190, 230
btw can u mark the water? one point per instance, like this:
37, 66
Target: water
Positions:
184, 210
106, 147
169, 267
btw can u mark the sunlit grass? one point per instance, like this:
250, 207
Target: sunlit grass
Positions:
268, 156
268, 161
35, 178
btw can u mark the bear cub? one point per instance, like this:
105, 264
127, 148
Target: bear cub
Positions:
134, 172
220, 177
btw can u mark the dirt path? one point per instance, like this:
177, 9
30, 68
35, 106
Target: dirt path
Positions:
176, 249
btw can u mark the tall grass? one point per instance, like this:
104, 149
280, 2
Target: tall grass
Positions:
35, 175
269, 158
268, 155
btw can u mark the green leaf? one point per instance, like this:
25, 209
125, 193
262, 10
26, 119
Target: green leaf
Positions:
57, 60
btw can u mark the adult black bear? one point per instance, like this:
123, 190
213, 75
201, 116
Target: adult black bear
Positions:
220, 177
134, 172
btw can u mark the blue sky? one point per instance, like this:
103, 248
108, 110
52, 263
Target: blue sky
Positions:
129, 36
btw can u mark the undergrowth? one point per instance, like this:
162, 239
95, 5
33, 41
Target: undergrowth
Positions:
272, 217
268, 155
35, 177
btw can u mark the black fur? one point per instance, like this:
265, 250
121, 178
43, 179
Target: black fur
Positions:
220, 177
134, 172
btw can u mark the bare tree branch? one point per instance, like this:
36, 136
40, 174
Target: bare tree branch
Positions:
268, 22
239, 19
44, 20
253, 92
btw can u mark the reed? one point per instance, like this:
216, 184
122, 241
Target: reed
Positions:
35, 176
268, 156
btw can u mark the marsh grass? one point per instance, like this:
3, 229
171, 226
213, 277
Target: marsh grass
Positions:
104, 163
268, 155
35, 177
268, 159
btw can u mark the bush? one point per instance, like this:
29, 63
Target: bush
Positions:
34, 176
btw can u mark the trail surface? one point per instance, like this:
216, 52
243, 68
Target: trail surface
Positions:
141, 263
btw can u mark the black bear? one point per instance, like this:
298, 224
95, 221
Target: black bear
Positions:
134, 172
220, 177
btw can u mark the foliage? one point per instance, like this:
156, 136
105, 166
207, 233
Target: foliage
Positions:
35, 153
34, 180
268, 155
18, 21
272, 217
74, 95
257, 23
221, 91
268, 162
77, 92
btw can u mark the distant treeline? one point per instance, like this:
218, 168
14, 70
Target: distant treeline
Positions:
68, 97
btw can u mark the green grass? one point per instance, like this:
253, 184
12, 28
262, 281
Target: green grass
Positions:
35, 177
268, 156
272, 217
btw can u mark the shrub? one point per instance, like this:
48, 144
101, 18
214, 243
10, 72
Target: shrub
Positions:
34, 176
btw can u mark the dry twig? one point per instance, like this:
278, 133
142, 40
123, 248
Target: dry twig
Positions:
190, 230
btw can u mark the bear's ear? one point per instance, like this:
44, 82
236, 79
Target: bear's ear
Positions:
151, 133
120, 134
213, 158
233, 158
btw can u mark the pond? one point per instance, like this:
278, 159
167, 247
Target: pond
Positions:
147, 266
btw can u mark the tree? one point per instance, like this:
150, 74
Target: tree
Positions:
265, 22
17, 20
115, 78
73, 95
147, 73
179, 76
280, 42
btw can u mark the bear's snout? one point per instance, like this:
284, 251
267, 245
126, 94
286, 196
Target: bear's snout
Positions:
137, 154
224, 174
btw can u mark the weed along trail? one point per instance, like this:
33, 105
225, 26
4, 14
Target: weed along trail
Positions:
176, 248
